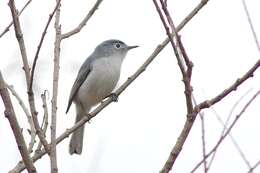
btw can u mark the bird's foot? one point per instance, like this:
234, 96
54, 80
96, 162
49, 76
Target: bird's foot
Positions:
89, 120
113, 96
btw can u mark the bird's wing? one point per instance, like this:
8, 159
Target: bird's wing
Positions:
82, 76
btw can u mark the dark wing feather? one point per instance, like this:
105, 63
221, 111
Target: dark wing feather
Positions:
82, 76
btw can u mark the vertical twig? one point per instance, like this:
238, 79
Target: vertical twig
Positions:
45, 121
203, 142
54, 167
203, 138
10, 115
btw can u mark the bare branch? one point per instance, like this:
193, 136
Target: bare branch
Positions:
203, 142
178, 56
11, 23
10, 115
186, 79
230, 135
255, 166
228, 130
233, 87
83, 22
40, 44
22, 104
251, 25
28, 115
45, 122
56, 68
201, 114
20, 39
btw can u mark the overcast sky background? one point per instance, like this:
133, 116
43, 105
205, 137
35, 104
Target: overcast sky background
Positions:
137, 133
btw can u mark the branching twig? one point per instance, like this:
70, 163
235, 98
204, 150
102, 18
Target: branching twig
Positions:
20, 39
233, 87
228, 129
230, 135
169, 34
179, 53
255, 166
10, 115
83, 22
45, 121
11, 23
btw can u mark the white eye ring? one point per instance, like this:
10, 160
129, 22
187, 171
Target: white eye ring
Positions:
117, 45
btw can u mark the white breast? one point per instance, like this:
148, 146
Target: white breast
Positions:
101, 81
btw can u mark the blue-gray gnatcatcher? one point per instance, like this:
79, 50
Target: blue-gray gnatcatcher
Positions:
96, 79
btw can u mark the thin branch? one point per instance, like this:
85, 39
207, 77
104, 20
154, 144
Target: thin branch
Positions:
251, 25
201, 114
20, 167
40, 44
254, 167
56, 67
22, 104
32, 130
10, 115
228, 130
203, 142
186, 79
83, 22
230, 135
44, 124
11, 23
168, 32
20, 39
233, 87
45, 121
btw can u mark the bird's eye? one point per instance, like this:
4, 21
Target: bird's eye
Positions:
117, 45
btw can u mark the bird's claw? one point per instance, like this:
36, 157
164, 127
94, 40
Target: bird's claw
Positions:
114, 97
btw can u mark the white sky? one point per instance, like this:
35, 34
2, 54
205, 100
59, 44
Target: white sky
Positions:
137, 133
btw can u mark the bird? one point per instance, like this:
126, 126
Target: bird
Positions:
96, 79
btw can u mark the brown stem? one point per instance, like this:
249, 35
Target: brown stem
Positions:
10, 115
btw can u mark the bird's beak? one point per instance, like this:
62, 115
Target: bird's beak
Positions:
131, 47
